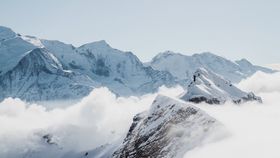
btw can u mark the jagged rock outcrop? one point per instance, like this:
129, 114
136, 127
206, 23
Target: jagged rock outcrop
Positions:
169, 129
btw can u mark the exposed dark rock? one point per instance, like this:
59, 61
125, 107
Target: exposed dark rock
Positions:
167, 130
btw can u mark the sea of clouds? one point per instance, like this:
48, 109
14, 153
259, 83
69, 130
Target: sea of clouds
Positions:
254, 128
98, 119
102, 118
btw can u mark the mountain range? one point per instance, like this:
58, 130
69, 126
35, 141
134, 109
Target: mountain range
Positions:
34, 69
183, 67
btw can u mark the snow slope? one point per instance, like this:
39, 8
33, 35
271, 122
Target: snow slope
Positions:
214, 89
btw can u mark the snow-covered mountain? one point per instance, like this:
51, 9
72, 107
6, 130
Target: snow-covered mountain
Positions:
169, 129
96, 64
93, 64
122, 72
211, 88
12, 48
40, 76
183, 66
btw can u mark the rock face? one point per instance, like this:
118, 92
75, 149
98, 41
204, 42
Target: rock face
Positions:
183, 66
213, 89
168, 129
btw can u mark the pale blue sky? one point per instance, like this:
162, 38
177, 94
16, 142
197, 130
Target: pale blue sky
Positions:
230, 28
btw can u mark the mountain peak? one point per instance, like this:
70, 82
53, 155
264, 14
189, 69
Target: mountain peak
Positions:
6, 33
243, 62
97, 44
167, 53
208, 55
165, 130
164, 55
213, 89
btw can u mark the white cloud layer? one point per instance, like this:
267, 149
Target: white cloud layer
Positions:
98, 119
261, 83
274, 66
102, 117
254, 127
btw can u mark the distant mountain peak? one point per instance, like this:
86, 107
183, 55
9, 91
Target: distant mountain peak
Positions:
167, 53
5, 29
6, 33
164, 55
209, 56
244, 62
183, 66
97, 44
205, 53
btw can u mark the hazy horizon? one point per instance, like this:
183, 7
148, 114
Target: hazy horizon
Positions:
232, 29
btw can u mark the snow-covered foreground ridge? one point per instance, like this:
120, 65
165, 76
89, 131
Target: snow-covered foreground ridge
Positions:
168, 128
34, 69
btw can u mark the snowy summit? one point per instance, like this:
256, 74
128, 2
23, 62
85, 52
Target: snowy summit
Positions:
213, 89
